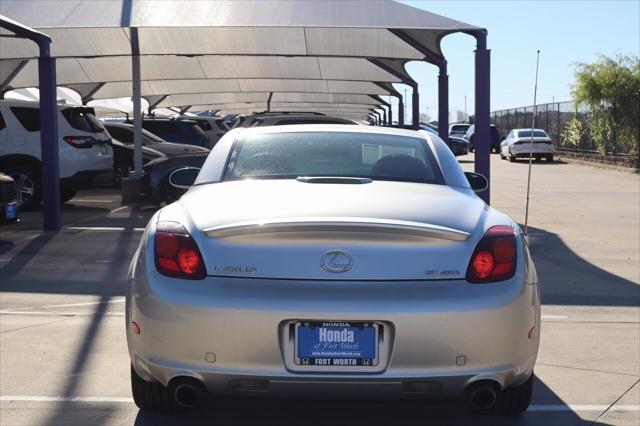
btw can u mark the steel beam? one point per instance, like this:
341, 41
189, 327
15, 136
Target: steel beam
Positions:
443, 102
137, 105
89, 96
52, 217
482, 134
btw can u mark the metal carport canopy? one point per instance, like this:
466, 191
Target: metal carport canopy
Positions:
97, 41
301, 38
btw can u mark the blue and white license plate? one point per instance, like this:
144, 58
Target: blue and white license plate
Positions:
336, 343
11, 211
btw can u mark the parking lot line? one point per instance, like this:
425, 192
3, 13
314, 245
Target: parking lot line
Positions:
128, 400
65, 305
103, 228
60, 314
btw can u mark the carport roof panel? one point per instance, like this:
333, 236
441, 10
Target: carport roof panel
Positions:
118, 68
100, 27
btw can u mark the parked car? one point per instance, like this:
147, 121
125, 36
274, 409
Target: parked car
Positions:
288, 118
177, 131
517, 144
158, 171
214, 127
459, 146
8, 199
332, 259
153, 147
83, 149
458, 129
495, 138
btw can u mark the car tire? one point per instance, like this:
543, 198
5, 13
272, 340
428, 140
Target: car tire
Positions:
512, 158
169, 194
28, 184
514, 400
150, 396
67, 192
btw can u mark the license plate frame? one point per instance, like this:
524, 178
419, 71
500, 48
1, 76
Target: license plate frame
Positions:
348, 358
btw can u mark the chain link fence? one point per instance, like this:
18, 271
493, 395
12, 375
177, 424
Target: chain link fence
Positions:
610, 130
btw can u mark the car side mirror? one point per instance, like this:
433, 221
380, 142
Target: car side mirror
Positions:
183, 178
477, 182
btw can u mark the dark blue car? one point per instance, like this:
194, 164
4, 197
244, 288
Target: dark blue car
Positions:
177, 131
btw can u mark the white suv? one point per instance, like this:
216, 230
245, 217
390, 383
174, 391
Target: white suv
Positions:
83, 144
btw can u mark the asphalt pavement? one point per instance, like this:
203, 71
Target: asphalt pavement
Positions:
64, 360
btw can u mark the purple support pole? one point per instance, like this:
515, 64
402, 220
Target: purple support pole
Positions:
52, 220
384, 116
415, 112
390, 115
400, 110
482, 136
443, 102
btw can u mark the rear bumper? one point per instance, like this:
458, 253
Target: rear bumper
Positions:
235, 334
538, 150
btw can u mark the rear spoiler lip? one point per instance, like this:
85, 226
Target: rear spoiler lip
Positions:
337, 224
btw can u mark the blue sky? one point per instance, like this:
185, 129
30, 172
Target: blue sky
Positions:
566, 32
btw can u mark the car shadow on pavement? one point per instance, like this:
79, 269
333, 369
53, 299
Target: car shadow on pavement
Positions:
296, 412
568, 279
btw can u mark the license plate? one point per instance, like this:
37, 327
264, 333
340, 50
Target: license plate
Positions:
336, 343
11, 211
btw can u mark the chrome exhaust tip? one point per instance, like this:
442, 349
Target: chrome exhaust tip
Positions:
187, 393
483, 395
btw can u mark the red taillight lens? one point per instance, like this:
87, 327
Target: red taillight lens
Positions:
494, 259
79, 141
176, 253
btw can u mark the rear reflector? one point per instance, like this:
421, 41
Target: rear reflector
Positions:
494, 258
176, 254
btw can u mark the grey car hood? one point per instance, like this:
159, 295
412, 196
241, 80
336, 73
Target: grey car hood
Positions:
283, 228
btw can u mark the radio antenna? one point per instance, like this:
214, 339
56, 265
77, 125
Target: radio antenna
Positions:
533, 126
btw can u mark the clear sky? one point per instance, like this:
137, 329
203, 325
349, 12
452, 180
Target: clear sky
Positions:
566, 32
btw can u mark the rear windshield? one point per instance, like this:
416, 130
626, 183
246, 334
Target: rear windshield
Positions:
204, 124
333, 154
536, 134
82, 119
462, 128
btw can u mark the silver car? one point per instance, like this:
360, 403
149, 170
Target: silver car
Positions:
332, 261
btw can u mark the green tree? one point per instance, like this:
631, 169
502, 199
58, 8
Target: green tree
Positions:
610, 88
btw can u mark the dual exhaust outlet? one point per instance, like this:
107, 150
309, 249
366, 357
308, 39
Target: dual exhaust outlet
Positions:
188, 392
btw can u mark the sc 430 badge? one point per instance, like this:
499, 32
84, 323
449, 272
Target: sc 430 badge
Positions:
230, 269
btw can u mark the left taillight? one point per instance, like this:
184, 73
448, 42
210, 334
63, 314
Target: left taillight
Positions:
494, 258
176, 253
80, 141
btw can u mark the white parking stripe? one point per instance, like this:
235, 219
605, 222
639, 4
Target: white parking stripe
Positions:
103, 228
60, 314
22, 398
66, 305
115, 399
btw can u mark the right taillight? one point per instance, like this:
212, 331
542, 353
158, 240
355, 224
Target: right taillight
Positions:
176, 253
494, 258
82, 142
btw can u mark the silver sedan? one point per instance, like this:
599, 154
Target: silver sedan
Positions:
332, 261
